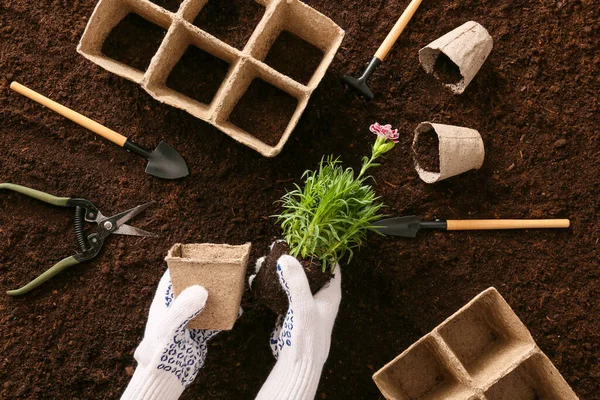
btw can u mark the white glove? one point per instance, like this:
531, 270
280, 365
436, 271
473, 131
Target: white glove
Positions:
170, 356
301, 341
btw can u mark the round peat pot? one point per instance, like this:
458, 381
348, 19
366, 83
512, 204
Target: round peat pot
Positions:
456, 57
441, 151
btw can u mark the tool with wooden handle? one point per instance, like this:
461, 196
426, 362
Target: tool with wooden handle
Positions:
409, 226
360, 84
164, 162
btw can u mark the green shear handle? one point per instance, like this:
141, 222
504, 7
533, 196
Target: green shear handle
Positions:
58, 267
80, 204
90, 245
36, 194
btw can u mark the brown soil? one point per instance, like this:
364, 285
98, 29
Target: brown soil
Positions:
74, 337
134, 41
198, 75
171, 5
446, 70
264, 111
232, 21
267, 288
288, 47
427, 151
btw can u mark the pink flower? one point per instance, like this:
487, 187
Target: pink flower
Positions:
385, 131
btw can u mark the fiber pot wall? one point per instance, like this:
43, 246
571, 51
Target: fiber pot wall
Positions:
460, 150
221, 269
465, 47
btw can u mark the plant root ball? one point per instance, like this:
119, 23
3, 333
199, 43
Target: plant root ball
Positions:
266, 286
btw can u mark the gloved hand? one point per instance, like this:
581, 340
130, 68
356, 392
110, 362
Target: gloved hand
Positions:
170, 355
302, 338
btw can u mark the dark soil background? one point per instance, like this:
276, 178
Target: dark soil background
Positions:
535, 102
171, 5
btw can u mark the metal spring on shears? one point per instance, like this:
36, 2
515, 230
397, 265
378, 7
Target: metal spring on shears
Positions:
79, 233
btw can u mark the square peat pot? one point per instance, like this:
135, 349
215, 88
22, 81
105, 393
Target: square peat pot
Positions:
295, 29
535, 378
221, 270
189, 70
122, 36
422, 372
487, 337
263, 108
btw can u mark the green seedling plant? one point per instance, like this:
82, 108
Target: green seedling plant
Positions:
331, 215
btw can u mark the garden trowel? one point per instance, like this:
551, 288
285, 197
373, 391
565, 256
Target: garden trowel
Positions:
409, 226
359, 84
164, 162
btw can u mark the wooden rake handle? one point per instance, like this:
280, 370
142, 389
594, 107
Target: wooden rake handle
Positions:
485, 224
394, 34
82, 120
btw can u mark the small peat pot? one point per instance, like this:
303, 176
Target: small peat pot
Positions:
221, 269
441, 151
266, 286
483, 351
456, 57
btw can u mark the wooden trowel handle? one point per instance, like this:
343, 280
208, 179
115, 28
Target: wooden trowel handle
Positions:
394, 34
485, 224
82, 120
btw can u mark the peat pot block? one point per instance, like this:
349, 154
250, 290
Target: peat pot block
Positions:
483, 351
171, 57
221, 269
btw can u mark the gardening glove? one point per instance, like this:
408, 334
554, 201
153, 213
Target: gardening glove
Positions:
170, 355
301, 339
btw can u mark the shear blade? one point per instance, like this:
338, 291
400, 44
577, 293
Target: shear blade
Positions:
125, 216
132, 231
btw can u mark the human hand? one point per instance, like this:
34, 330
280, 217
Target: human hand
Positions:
170, 355
302, 338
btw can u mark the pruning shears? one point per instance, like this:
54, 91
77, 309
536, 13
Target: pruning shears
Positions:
89, 246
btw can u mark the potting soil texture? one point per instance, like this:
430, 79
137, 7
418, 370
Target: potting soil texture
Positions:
427, 152
534, 101
198, 75
134, 41
231, 21
264, 111
287, 47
